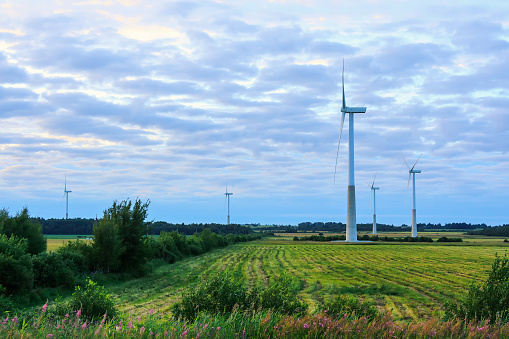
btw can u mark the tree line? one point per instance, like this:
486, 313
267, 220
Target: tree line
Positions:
497, 231
121, 244
85, 226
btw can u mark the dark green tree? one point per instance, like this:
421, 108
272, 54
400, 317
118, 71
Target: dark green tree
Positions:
107, 247
16, 272
129, 219
22, 226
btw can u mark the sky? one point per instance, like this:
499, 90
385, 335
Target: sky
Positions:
172, 101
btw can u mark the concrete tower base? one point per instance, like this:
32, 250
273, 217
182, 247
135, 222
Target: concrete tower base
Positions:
351, 218
374, 223
414, 223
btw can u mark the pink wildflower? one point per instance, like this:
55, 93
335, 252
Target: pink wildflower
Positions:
50, 336
151, 311
206, 325
67, 315
184, 333
306, 325
84, 326
44, 308
78, 314
104, 319
243, 331
166, 333
218, 328
142, 330
130, 325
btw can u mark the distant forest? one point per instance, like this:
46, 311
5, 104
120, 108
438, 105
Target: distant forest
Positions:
80, 226
340, 227
497, 231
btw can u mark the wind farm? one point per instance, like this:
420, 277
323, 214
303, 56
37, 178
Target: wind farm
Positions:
150, 108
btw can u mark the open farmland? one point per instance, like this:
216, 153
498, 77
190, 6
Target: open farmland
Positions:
409, 280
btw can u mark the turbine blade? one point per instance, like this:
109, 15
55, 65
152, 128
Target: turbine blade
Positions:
405, 161
417, 160
374, 179
408, 184
343, 78
339, 141
367, 183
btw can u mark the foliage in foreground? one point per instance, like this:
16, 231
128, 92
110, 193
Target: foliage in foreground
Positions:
263, 324
91, 301
343, 305
488, 300
221, 295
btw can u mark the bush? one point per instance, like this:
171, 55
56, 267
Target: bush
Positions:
93, 302
347, 305
51, 270
282, 298
488, 300
219, 295
222, 295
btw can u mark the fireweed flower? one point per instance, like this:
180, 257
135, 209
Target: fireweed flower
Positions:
142, 329
44, 308
78, 314
130, 325
151, 311
50, 336
84, 326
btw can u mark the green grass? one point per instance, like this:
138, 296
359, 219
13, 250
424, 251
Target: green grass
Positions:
411, 281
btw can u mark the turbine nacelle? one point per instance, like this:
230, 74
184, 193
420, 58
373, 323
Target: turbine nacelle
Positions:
414, 171
353, 109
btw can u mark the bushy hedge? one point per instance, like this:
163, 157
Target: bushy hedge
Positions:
222, 295
445, 239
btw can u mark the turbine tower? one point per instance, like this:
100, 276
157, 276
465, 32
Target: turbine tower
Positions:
66, 193
373, 193
227, 197
411, 172
351, 217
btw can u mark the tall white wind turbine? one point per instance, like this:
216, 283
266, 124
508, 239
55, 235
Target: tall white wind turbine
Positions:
373, 194
411, 173
66, 193
227, 197
351, 216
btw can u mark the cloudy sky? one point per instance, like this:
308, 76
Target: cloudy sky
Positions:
172, 100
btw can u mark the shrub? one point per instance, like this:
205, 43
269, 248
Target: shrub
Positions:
222, 295
93, 302
347, 305
282, 298
217, 296
51, 270
488, 300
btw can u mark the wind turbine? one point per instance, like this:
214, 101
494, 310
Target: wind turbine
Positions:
411, 172
66, 193
373, 193
351, 217
227, 197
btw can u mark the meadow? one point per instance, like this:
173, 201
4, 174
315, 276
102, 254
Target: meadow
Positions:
410, 281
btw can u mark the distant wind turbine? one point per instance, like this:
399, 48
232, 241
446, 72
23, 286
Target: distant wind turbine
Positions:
411, 172
227, 197
373, 193
66, 193
351, 216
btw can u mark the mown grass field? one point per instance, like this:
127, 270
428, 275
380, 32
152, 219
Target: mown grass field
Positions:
412, 281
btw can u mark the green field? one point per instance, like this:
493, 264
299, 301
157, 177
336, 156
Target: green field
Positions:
412, 281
